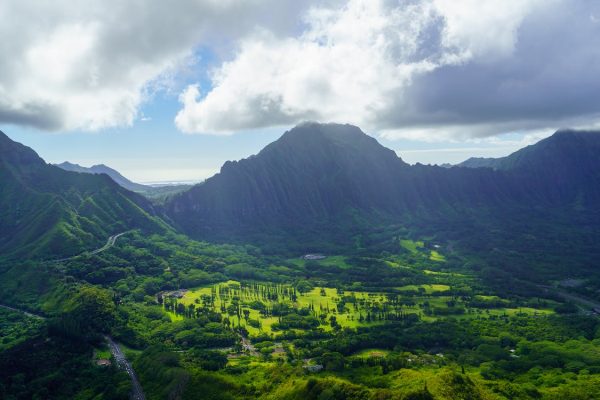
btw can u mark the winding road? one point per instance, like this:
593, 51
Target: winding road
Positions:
109, 243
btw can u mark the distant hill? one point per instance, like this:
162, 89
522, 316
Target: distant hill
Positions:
103, 169
156, 193
577, 151
479, 162
46, 211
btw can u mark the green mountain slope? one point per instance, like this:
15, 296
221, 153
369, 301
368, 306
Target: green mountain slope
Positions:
564, 168
48, 212
323, 184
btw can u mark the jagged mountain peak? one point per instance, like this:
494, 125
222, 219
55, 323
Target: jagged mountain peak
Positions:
314, 134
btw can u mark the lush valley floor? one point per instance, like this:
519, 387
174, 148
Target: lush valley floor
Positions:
414, 319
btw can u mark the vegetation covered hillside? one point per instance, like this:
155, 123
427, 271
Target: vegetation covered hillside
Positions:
329, 186
486, 297
48, 212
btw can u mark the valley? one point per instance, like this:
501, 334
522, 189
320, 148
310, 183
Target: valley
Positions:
342, 294
300, 200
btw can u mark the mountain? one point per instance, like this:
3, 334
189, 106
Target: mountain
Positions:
320, 177
46, 211
577, 151
312, 173
564, 167
332, 180
103, 169
157, 194
479, 162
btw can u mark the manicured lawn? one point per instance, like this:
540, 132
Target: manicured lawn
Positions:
323, 301
351, 309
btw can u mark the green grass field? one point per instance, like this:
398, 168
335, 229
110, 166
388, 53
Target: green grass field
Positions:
338, 261
430, 288
350, 309
366, 353
322, 300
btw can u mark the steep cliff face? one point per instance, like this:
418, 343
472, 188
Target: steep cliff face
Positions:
322, 173
335, 176
561, 169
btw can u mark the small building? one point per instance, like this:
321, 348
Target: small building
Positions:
314, 368
103, 362
176, 293
313, 257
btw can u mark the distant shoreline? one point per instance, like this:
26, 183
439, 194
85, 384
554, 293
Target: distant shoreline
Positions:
172, 183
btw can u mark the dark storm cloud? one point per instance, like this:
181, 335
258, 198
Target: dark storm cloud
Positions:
552, 77
40, 116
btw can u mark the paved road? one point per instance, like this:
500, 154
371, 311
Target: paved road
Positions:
109, 243
22, 312
136, 393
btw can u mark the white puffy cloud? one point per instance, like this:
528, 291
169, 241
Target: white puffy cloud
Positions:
429, 69
402, 68
90, 64
484, 29
343, 67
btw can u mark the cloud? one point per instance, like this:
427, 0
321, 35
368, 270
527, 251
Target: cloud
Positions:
434, 69
90, 65
342, 67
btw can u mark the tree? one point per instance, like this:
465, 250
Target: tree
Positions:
332, 361
304, 287
92, 310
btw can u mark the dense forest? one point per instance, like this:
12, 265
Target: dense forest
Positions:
199, 320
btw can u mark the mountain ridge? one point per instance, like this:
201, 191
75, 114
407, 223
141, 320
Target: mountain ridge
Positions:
104, 169
316, 175
49, 212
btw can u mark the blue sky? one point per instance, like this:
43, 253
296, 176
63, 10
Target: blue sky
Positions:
182, 87
155, 151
